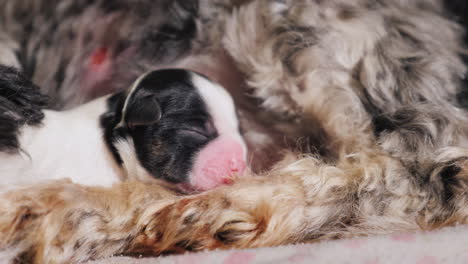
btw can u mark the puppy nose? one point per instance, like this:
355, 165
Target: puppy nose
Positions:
218, 163
237, 165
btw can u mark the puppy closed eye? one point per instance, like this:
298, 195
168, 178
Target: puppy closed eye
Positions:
195, 133
198, 130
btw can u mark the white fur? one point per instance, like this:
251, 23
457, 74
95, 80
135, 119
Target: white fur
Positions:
132, 166
221, 107
68, 144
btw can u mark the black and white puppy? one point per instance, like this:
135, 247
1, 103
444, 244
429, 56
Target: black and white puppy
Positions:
172, 124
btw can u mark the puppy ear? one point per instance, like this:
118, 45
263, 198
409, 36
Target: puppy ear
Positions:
142, 109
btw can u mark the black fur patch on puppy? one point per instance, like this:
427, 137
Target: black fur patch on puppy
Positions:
20, 103
109, 121
166, 144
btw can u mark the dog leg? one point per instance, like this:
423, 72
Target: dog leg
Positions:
299, 201
62, 222
254, 213
280, 208
310, 201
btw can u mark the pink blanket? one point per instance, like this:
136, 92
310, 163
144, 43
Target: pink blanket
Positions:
449, 245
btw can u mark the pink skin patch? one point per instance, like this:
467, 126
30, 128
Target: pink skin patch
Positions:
99, 56
98, 70
218, 163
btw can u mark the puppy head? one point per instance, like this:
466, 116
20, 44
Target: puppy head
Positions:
178, 126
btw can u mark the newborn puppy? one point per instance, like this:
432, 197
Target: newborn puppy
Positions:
173, 124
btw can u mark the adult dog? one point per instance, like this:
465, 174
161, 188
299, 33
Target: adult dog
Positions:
365, 98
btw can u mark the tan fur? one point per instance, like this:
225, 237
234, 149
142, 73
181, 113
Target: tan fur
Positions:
301, 200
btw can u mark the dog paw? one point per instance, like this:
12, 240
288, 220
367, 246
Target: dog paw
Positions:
228, 217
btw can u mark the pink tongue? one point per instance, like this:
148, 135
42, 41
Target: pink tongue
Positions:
218, 163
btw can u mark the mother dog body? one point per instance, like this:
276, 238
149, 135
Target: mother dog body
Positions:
373, 89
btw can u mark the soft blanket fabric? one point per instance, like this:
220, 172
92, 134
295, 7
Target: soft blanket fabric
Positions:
449, 245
